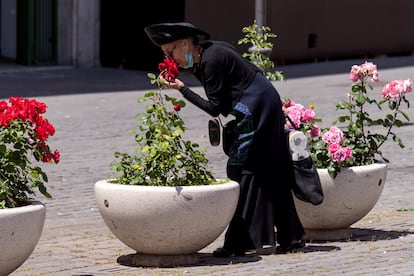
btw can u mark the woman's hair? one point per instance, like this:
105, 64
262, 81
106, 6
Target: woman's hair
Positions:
196, 40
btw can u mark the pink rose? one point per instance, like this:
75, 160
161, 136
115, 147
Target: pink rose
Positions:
370, 70
315, 131
348, 152
396, 88
332, 148
288, 104
338, 156
353, 75
341, 154
295, 115
308, 115
364, 71
333, 136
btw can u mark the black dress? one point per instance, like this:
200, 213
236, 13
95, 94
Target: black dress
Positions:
259, 158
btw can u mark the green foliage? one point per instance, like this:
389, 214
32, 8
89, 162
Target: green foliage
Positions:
258, 39
163, 157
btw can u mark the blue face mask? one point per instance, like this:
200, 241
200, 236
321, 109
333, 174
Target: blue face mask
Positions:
189, 60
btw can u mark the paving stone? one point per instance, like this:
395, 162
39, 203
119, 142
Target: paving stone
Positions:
93, 109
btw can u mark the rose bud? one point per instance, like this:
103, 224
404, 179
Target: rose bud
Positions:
177, 107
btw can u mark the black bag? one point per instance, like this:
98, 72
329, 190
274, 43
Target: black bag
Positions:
214, 132
229, 134
308, 186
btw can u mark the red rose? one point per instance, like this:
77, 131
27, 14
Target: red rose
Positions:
56, 156
168, 69
177, 107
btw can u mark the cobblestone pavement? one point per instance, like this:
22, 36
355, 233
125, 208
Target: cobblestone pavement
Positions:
93, 109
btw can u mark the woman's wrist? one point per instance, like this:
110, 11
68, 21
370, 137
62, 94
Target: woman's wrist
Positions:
183, 89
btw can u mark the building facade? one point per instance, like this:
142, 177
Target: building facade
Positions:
110, 33
49, 32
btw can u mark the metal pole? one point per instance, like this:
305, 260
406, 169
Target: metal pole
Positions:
260, 16
260, 10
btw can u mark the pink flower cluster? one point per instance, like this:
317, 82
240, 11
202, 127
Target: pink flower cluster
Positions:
334, 138
396, 88
363, 72
30, 112
300, 115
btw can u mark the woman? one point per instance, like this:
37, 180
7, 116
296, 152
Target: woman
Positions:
258, 158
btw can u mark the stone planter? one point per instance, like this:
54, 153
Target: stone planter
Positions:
20, 230
347, 199
166, 225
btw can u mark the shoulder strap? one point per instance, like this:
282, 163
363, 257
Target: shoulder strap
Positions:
290, 121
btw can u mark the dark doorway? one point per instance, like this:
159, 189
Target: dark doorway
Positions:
36, 32
124, 43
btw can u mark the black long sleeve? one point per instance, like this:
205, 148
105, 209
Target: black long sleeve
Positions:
200, 102
224, 74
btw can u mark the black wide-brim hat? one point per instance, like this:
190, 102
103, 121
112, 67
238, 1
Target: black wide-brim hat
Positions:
164, 33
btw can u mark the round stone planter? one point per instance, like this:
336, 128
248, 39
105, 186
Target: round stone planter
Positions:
166, 225
347, 199
20, 230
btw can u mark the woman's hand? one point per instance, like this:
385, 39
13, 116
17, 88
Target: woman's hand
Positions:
174, 84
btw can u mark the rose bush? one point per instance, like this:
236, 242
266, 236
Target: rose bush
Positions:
163, 157
257, 37
23, 137
358, 137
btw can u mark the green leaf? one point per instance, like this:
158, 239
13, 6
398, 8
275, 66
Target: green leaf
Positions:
356, 88
150, 109
405, 115
151, 76
149, 94
181, 103
2, 149
360, 99
392, 105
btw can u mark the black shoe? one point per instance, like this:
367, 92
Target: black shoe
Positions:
294, 247
225, 253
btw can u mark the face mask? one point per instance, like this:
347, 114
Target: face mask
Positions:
189, 60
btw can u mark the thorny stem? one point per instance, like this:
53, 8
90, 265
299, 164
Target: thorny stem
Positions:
394, 117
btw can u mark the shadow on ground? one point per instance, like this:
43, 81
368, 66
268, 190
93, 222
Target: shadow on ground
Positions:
342, 66
48, 81
206, 259
65, 81
367, 234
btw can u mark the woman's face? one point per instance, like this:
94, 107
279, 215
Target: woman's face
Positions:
177, 50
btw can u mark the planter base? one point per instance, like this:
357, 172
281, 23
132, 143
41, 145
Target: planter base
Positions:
147, 260
328, 234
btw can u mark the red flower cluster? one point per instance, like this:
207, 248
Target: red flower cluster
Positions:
168, 69
30, 112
